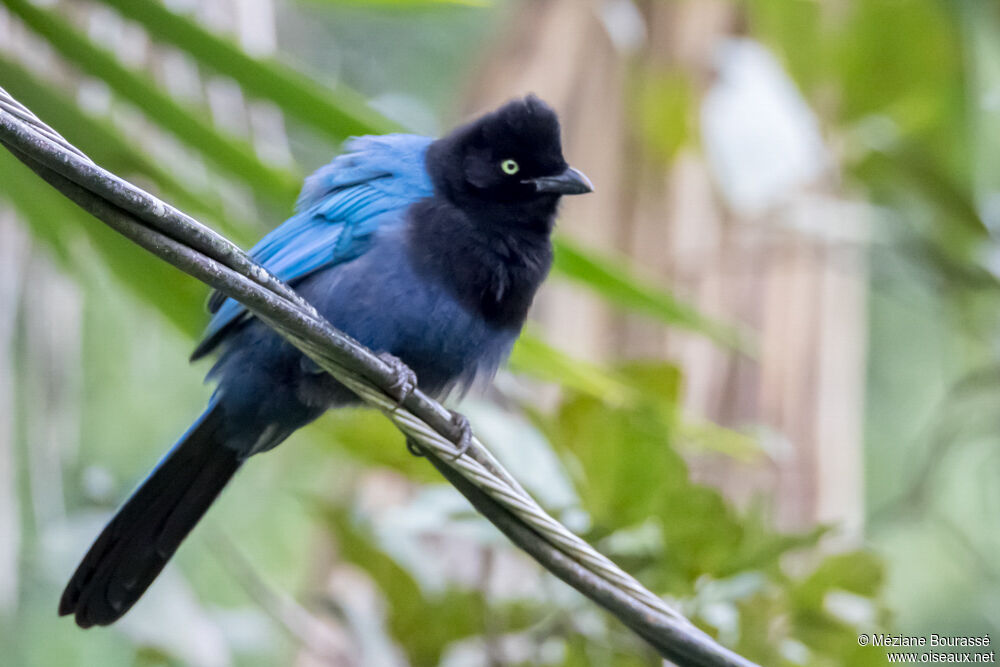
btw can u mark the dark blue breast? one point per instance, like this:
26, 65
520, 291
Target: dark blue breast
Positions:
381, 301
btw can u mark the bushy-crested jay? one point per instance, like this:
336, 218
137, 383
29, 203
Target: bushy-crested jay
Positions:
426, 251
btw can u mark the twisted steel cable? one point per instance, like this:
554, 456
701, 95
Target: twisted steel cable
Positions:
213, 259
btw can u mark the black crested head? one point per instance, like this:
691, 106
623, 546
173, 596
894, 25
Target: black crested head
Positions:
485, 234
509, 160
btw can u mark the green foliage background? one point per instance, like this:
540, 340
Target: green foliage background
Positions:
918, 67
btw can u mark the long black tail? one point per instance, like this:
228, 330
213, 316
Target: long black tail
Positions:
141, 538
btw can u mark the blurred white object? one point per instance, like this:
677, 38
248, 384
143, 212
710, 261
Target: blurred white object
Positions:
762, 140
850, 608
625, 25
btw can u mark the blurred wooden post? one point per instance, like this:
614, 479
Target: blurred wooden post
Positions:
790, 286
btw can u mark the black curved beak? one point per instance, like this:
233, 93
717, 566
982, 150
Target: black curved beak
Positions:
569, 182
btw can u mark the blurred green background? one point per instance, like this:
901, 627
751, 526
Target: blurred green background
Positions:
763, 376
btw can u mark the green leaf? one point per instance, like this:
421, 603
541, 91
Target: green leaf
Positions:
582, 651
796, 31
761, 548
665, 111
229, 153
906, 71
619, 487
857, 572
422, 624
60, 224
619, 283
658, 386
535, 358
704, 436
337, 112
102, 142
925, 177
629, 473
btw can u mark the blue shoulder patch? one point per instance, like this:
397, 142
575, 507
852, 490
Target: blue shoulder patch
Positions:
341, 205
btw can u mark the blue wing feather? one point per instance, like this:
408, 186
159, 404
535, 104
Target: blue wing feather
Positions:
341, 206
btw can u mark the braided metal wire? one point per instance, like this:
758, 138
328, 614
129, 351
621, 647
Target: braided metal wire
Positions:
23, 113
184, 242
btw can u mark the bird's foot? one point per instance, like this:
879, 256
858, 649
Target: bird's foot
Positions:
414, 447
462, 433
405, 381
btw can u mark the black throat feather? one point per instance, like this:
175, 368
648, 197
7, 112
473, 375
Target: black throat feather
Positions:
488, 243
492, 266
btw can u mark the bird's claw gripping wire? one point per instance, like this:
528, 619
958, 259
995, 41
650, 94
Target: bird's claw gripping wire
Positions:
462, 433
403, 385
404, 382
414, 447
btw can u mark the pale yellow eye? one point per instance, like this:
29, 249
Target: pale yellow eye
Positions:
510, 167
